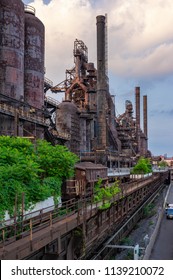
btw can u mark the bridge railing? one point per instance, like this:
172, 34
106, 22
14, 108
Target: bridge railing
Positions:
25, 225
119, 171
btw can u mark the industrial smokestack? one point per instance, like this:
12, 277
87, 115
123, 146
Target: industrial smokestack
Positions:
101, 84
137, 96
145, 115
101, 69
137, 92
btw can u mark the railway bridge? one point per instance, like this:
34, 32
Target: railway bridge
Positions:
77, 228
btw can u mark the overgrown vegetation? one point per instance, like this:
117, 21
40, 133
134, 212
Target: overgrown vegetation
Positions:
149, 210
143, 166
162, 163
78, 242
126, 241
105, 193
36, 170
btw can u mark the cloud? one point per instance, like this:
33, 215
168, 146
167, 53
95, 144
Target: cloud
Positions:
64, 22
140, 38
162, 112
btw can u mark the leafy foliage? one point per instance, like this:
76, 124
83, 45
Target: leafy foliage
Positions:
37, 171
163, 163
149, 210
143, 166
53, 184
105, 193
55, 160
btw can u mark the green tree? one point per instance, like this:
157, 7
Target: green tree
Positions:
36, 171
163, 163
143, 166
105, 193
55, 160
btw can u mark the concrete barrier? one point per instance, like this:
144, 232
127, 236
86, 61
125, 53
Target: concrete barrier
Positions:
155, 232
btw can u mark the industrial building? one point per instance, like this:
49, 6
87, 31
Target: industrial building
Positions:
85, 121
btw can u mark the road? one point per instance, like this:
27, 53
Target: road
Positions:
163, 247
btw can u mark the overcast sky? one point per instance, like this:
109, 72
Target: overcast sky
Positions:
140, 50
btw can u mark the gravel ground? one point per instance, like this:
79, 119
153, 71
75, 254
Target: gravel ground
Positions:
144, 227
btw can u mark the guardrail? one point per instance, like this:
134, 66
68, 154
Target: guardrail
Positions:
22, 226
60, 134
119, 170
8, 109
29, 9
52, 101
160, 169
48, 82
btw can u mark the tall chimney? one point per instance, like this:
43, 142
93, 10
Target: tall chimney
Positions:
137, 95
101, 69
145, 115
101, 84
145, 122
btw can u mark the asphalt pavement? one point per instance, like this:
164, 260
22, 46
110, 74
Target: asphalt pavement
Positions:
163, 246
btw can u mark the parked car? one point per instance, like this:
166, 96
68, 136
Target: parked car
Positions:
168, 205
169, 213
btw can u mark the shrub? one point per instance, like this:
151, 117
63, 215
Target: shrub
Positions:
34, 170
143, 166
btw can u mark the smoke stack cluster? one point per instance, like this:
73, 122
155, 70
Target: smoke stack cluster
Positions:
145, 121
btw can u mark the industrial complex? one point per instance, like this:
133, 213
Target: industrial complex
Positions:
81, 224
85, 121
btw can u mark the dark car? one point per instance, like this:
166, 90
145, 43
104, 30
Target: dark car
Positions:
169, 213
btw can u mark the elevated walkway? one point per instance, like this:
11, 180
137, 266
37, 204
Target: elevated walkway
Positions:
24, 115
39, 231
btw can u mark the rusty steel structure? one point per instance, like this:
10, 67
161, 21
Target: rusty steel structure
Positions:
12, 48
88, 111
145, 115
11, 56
34, 67
85, 121
133, 139
21, 71
137, 95
34, 59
